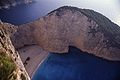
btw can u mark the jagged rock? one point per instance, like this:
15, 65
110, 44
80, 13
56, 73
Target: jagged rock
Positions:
85, 29
23, 37
6, 48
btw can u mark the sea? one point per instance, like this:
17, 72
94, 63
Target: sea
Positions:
77, 65
25, 13
73, 65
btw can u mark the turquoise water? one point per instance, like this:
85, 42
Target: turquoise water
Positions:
77, 65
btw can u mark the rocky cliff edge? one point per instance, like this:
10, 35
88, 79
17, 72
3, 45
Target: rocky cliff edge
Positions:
66, 26
11, 66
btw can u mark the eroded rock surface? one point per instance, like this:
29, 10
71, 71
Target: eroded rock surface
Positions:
23, 37
85, 29
7, 49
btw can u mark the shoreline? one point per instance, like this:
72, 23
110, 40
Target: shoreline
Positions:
37, 67
32, 57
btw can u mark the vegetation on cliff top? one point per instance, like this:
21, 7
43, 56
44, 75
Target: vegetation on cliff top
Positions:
10, 69
7, 67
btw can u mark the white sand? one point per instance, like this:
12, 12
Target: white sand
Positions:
37, 56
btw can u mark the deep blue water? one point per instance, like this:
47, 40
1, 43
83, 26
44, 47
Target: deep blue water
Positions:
77, 65
26, 13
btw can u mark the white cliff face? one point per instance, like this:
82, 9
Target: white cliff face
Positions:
55, 33
23, 37
68, 26
6, 30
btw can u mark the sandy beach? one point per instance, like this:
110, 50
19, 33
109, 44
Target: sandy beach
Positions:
32, 56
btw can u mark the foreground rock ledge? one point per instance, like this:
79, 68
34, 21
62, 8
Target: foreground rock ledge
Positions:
7, 49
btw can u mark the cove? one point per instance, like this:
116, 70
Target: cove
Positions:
77, 65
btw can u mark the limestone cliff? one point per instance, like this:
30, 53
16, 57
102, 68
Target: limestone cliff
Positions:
11, 66
23, 37
8, 3
85, 29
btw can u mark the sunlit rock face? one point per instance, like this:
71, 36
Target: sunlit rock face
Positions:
23, 37
85, 29
6, 48
8, 3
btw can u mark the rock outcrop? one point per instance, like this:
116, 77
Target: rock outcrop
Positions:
85, 29
11, 66
23, 37
8, 3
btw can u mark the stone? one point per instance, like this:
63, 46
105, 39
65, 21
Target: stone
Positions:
70, 26
6, 47
85, 29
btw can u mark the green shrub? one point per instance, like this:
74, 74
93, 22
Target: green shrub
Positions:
7, 67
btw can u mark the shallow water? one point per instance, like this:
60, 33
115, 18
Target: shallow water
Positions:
77, 65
